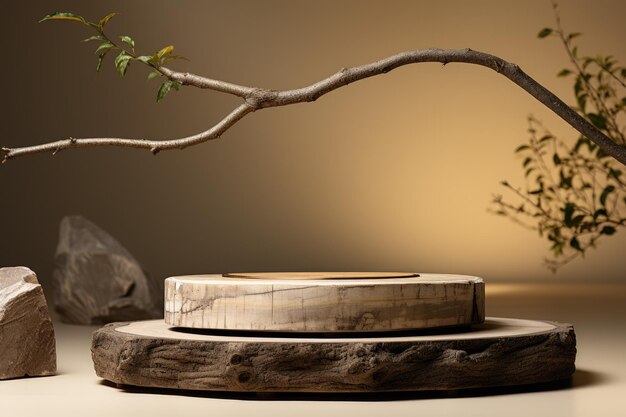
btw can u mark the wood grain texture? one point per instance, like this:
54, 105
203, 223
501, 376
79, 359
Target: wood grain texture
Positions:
324, 305
319, 275
500, 352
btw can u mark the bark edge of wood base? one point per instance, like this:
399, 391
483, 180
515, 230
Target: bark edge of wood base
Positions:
338, 365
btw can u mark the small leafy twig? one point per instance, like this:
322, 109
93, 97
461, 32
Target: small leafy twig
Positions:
562, 212
605, 116
126, 48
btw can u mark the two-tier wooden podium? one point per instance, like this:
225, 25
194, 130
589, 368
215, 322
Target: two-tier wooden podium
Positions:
331, 332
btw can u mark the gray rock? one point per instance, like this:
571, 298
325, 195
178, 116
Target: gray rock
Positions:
27, 346
97, 280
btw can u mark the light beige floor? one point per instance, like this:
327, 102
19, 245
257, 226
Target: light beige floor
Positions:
598, 389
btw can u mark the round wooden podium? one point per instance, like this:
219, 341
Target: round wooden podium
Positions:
331, 332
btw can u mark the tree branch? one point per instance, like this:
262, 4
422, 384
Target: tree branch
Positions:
203, 82
154, 146
258, 98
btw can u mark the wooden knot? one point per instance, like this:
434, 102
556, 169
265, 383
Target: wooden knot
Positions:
260, 98
357, 368
498, 65
235, 359
460, 355
244, 377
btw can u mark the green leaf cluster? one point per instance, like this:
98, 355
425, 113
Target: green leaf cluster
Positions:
575, 194
125, 50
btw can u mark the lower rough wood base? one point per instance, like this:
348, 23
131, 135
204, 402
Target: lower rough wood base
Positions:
500, 352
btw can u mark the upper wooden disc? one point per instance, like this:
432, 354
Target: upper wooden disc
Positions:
324, 303
319, 275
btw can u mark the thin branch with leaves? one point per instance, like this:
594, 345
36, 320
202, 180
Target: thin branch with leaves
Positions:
575, 195
260, 98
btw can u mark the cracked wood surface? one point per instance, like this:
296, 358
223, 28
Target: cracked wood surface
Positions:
500, 352
266, 302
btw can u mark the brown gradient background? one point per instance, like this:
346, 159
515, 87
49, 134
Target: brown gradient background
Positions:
392, 173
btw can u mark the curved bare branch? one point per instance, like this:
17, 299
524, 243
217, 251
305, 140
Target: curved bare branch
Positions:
187, 78
259, 98
154, 146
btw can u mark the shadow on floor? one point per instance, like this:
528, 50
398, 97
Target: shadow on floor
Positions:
581, 378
